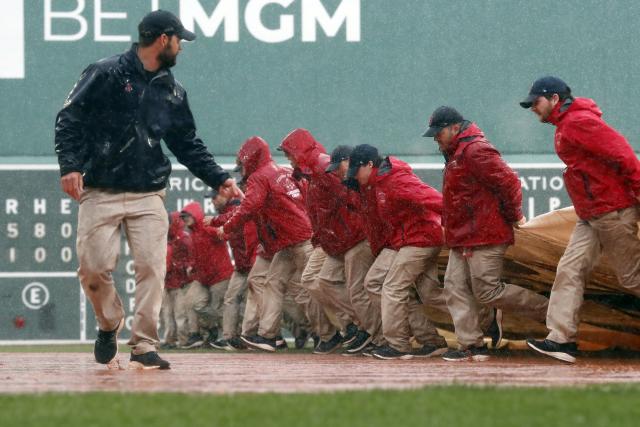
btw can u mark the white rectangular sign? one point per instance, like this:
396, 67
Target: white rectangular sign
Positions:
12, 35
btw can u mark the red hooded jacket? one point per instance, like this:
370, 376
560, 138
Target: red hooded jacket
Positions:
377, 230
337, 226
603, 172
179, 254
482, 194
243, 241
273, 199
212, 261
410, 207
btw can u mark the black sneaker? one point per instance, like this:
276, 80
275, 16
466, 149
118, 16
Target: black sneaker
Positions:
301, 340
326, 347
168, 346
363, 338
149, 360
495, 330
386, 352
260, 343
194, 341
369, 349
212, 336
316, 340
477, 354
236, 343
350, 333
429, 350
220, 345
281, 343
566, 352
105, 349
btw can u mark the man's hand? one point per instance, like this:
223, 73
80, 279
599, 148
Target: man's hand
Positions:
72, 184
522, 221
229, 189
220, 231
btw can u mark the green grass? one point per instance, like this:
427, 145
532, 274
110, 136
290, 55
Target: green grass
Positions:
438, 406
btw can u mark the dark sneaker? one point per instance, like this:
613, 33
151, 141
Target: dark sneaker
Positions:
236, 343
386, 352
429, 350
149, 360
326, 347
168, 346
301, 340
363, 338
477, 354
194, 341
350, 333
495, 330
566, 352
212, 336
369, 349
220, 345
105, 349
281, 343
316, 340
260, 343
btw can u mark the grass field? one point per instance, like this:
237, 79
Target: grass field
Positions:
437, 406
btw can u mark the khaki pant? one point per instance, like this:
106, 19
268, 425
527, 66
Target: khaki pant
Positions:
144, 220
174, 318
356, 263
285, 270
204, 305
419, 325
475, 280
232, 300
615, 234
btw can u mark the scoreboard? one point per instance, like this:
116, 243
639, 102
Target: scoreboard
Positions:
40, 296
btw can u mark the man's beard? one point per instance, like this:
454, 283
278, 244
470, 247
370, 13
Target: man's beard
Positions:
166, 58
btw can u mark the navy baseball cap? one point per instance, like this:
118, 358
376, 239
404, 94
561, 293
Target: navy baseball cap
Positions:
340, 153
160, 22
545, 86
441, 118
360, 156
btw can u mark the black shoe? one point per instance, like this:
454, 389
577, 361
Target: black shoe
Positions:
260, 343
301, 340
105, 349
212, 336
363, 338
566, 352
220, 345
429, 350
477, 354
236, 343
194, 341
281, 343
326, 347
149, 360
495, 330
386, 352
350, 333
168, 346
316, 340
369, 349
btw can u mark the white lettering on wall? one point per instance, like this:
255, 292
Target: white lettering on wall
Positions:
226, 12
253, 19
98, 16
76, 15
347, 14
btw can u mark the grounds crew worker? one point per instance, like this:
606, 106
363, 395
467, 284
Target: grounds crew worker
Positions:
107, 139
603, 181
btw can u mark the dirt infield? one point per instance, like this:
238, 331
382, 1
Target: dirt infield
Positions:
282, 373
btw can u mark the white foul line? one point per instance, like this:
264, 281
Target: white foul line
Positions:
20, 274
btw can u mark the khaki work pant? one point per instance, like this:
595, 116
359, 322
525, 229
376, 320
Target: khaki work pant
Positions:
232, 301
143, 218
204, 305
616, 235
473, 281
285, 270
420, 327
174, 318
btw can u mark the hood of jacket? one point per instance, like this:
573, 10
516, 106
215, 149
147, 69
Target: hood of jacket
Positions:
176, 225
469, 132
303, 147
195, 210
571, 106
254, 154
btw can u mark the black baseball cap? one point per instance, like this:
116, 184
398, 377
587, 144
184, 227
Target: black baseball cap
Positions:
340, 153
441, 118
161, 22
545, 86
360, 156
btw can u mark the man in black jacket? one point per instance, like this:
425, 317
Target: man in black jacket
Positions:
107, 139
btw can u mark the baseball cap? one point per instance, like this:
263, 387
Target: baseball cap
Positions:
441, 118
340, 153
545, 86
163, 22
361, 155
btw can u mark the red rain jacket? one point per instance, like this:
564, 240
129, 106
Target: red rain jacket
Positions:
273, 200
212, 261
603, 172
337, 226
179, 254
377, 230
482, 194
243, 241
410, 207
